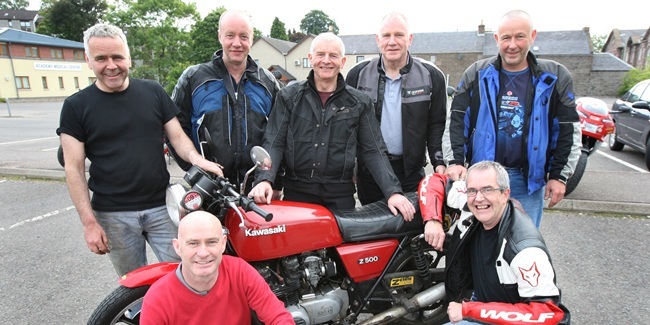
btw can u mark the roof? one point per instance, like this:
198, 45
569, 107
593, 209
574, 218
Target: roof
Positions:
9, 35
280, 45
286, 73
608, 62
568, 42
7, 14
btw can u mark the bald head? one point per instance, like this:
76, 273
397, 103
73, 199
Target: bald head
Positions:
199, 220
516, 15
238, 17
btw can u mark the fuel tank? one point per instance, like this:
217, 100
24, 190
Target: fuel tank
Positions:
296, 227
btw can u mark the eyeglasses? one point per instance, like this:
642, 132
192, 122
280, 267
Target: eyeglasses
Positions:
471, 192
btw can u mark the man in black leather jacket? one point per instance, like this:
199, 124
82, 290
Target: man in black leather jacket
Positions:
317, 128
227, 101
500, 260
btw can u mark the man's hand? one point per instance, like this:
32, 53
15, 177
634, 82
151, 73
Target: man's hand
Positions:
96, 238
555, 191
400, 202
455, 312
434, 234
456, 172
262, 193
440, 169
211, 167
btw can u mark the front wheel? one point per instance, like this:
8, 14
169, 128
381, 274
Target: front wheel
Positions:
572, 183
613, 144
647, 154
122, 306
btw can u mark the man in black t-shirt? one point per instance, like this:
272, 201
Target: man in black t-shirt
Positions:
118, 124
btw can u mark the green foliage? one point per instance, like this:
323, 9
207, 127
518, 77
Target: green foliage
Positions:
256, 34
297, 36
68, 19
599, 42
157, 35
204, 37
316, 22
278, 31
14, 4
632, 78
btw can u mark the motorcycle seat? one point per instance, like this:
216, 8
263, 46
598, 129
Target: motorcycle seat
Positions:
375, 221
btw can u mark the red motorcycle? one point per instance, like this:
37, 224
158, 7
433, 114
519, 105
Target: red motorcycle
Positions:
596, 124
327, 266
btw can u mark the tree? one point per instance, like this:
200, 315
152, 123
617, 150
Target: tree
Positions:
297, 36
203, 37
157, 35
277, 30
69, 18
599, 42
316, 22
14, 4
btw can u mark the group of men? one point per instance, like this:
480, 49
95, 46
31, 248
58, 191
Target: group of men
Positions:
329, 137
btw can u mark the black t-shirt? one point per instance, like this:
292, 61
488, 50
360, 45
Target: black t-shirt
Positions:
123, 139
484, 254
512, 107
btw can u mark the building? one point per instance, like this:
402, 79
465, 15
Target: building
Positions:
453, 52
630, 46
39, 66
26, 20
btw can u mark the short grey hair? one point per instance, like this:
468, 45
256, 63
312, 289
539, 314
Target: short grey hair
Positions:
502, 175
330, 37
105, 30
391, 15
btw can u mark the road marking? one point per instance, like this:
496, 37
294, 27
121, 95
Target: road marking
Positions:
47, 215
624, 163
32, 140
51, 149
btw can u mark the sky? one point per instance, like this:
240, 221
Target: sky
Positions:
355, 17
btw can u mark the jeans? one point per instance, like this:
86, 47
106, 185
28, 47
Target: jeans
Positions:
127, 232
533, 204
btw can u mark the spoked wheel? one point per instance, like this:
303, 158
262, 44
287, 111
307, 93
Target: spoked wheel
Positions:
122, 306
437, 312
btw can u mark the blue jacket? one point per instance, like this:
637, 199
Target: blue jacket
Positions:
552, 133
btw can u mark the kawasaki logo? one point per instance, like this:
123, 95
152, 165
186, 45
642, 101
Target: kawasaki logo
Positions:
268, 231
513, 316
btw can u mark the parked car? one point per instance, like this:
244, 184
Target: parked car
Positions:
631, 115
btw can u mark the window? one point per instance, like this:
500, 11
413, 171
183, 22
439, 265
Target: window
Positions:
76, 82
360, 58
79, 55
44, 83
22, 82
433, 58
56, 53
61, 83
306, 63
31, 52
3, 49
26, 25
91, 80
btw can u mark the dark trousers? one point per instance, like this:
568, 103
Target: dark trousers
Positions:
368, 191
331, 196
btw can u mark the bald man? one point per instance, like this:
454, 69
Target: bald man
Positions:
207, 283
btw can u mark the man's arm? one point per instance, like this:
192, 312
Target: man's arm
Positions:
186, 150
544, 313
262, 300
432, 197
437, 118
75, 176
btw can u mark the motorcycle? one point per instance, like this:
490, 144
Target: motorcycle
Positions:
596, 124
327, 266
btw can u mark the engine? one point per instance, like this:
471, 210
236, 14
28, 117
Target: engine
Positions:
308, 286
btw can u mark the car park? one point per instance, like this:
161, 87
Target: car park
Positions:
631, 114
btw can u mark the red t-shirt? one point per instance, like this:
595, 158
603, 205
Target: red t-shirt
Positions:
239, 289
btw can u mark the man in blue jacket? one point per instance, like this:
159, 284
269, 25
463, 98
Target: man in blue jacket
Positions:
519, 111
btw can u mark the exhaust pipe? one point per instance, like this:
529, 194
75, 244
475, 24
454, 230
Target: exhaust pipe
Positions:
422, 299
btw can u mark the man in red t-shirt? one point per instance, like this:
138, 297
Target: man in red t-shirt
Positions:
208, 287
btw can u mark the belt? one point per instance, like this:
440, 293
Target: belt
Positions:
395, 157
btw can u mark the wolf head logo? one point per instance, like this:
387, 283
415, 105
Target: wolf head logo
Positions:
531, 275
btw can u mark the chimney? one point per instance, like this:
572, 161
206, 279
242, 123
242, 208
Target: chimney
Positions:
481, 28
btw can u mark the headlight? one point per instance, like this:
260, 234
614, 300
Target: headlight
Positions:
174, 195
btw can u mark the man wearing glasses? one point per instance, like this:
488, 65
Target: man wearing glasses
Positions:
498, 267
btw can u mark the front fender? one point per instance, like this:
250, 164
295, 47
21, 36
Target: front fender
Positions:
147, 275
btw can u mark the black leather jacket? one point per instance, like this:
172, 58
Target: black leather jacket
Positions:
320, 144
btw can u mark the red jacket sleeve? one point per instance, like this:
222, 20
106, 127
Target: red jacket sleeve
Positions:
431, 194
544, 313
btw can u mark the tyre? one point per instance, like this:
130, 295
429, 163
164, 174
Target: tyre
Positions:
122, 306
572, 183
59, 156
437, 312
647, 154
614, 145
